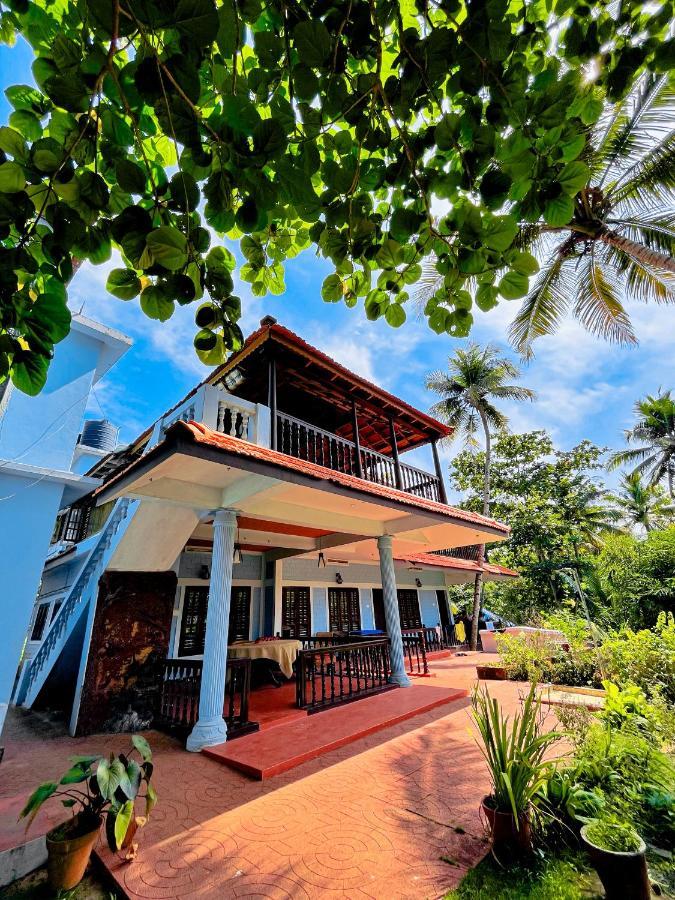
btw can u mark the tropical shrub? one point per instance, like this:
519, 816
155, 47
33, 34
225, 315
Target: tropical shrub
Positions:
645, 658
540, 660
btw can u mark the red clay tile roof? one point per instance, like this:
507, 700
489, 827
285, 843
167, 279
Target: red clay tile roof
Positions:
203, 435
454, 562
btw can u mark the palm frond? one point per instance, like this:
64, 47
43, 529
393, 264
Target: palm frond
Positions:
546, 303
652, 175
640, 282
598, 307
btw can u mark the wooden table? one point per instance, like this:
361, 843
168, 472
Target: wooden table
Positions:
283, 652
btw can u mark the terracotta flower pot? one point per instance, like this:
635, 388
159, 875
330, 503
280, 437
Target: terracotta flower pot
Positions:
69, 848
491, 673
505, 834
622, 875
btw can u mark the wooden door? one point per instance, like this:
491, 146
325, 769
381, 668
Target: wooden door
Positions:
442, 597
195, 609
296, 612
378, 610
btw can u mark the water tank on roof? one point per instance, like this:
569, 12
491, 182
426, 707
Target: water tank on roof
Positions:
99, 434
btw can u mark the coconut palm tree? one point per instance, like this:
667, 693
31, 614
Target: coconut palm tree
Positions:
475, 378
619, 243
639, 504
653, 440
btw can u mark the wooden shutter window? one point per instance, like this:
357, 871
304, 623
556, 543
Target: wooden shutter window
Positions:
296, 612
40, 622
409, 609
193, 626
240, 615
344, 609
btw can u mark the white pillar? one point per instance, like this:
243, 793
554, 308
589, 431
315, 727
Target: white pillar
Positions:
211, 728
391, 614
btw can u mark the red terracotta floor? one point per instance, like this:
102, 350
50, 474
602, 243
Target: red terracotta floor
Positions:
393, 815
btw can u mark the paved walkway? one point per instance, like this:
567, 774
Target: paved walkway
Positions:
394, 815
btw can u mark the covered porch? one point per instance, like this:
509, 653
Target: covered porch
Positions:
199, 486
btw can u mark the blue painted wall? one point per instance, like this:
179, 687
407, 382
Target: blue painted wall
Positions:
319, 610
429, 609
27, 514
367, 613
43, 430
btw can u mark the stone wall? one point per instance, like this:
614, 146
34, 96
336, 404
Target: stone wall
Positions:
129, 641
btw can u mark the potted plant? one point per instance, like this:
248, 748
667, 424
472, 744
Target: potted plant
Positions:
491, 671
93, 788
618, 855
514, 751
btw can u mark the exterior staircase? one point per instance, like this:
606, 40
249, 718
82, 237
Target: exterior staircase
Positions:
82, 593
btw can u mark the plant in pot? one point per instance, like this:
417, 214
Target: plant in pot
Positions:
565, 805
94, 788
618, 855
514, 751
491, 671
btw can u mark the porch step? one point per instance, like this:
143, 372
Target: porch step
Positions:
275, 750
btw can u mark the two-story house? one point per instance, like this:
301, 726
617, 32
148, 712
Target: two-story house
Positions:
267, 526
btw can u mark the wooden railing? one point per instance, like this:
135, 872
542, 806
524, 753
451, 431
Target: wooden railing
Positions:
304, 441
339, 673
414, 651
179, 695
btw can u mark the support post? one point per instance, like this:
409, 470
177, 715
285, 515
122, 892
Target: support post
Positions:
394, 453
357, 440
272, 400
391, 614
211, 728
443, 497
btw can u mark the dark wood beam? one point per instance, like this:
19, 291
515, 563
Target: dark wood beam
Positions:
394, 453
272, 400
357, 442
439, 472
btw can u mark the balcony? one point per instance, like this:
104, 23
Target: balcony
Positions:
308, 442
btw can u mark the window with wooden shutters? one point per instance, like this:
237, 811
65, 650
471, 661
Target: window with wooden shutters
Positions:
193, 627
409, 609
343, 609
296, 612
240, 614
40, 622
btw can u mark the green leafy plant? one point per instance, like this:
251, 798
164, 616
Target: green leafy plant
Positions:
97, 786
612, 834
514, 751
565, 800
283, 126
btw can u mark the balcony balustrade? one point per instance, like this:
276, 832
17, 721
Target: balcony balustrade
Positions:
308, 442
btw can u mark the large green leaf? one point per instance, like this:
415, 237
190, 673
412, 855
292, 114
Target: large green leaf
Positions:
36, 799
312, 42
142, 746
513, 285
12, 178
574, 177
499, 232
168, 247
559, 211
123, 284
156, 304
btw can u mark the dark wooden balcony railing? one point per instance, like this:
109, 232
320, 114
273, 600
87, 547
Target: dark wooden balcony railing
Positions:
304, 441
179, 695
414, 651
340, 673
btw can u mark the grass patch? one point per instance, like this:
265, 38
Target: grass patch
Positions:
564, 877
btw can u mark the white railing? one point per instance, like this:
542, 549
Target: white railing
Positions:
221, 411
79, 592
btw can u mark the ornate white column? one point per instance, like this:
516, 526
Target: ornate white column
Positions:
211, 728
391, 614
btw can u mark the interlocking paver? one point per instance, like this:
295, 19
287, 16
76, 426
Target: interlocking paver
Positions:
370, 820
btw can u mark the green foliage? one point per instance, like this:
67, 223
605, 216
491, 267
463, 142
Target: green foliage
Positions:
613, 834
281, 126
514, 751
555, 510
644, 658
546, 877
107, 786
539, 660
651, 441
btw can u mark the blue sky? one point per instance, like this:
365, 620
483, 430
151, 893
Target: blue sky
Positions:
585, 387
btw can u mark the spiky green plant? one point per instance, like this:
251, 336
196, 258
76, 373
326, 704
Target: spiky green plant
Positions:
640, 504
514, 751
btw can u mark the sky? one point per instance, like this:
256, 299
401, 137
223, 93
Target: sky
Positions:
585, 387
